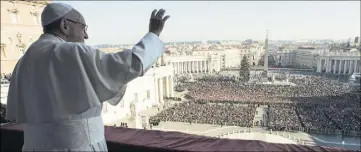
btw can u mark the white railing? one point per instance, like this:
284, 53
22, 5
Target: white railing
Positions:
308, 142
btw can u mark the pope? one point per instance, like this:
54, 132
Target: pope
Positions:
58, 86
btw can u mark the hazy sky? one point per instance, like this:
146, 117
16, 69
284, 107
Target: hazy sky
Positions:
118, 22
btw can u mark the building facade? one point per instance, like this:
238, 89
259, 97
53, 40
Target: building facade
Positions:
194, 64
300, 58
141, 94
307, 58
340, 62
20, 27
207, 60
285, 57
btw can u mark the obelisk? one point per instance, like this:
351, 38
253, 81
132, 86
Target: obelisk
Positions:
265, 64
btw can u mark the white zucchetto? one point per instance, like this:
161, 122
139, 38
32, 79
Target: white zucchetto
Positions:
53, 12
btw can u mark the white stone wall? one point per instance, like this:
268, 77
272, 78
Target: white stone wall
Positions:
20, 27
143, 92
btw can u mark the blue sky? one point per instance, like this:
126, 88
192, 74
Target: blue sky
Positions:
122, 22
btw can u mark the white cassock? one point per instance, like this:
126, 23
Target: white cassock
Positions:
57, 89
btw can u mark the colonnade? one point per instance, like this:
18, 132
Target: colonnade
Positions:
339, 66
200, 66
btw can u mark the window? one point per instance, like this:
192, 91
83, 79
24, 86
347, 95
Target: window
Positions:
148, 94
12, 4
14, 17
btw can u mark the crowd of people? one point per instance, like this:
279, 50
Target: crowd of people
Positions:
315, 104
283, 117
209, 113
226, 88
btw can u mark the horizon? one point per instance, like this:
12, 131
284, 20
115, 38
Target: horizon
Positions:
228, 21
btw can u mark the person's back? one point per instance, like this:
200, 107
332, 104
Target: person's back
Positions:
58, 86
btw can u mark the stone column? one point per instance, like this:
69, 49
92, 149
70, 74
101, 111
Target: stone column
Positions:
191, 64
160, 84
199, 66
345, 67
196, 66
167, 86
178, 69
156, 89
174, 68
329, 65
208, 66
204, 66
355, 66
334, 66
339, 67
171, 87
350, 68
319, 66
325, 64
183, 67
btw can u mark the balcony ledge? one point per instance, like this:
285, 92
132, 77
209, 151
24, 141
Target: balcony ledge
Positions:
149, 140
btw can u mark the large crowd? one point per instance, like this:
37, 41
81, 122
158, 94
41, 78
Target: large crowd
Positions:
316, 104
227, 88
209, 113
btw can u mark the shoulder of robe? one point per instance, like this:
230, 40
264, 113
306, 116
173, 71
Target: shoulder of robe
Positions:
74, 50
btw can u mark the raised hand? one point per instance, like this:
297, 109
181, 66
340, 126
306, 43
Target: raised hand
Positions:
157, 21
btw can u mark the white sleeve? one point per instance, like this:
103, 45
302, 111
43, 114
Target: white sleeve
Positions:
108, 73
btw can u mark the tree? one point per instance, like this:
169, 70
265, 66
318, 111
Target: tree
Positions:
244, 71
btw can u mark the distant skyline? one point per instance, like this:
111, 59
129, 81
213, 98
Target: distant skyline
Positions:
125, 22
